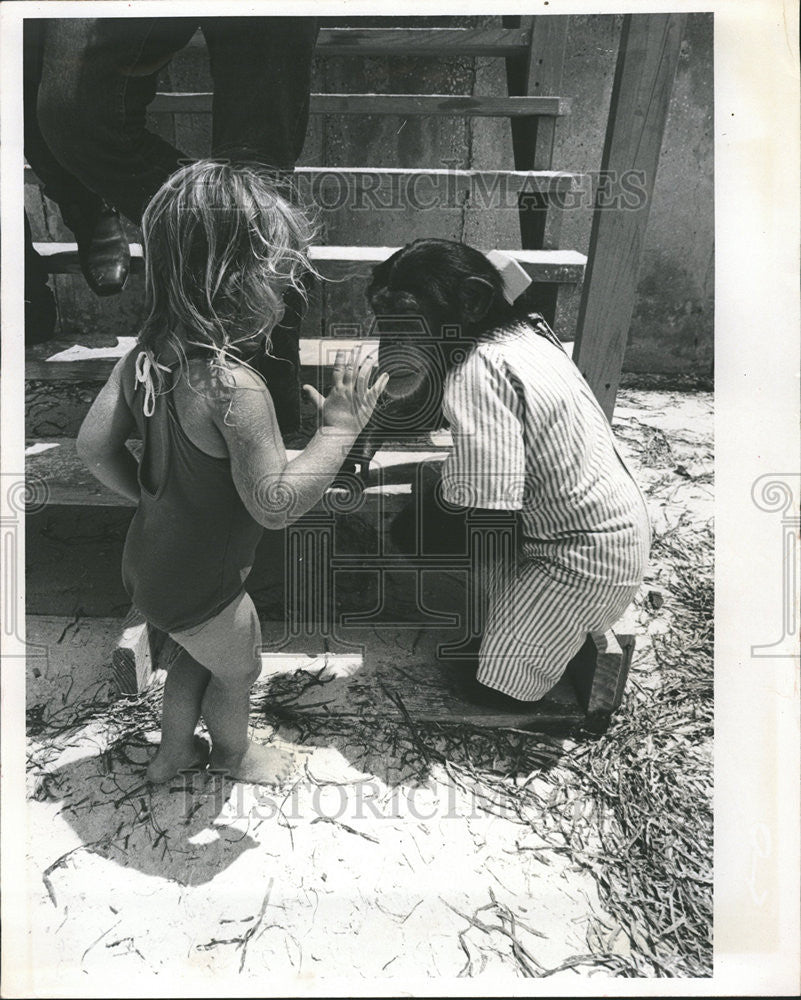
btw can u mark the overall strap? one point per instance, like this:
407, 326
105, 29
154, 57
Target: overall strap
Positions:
540, 327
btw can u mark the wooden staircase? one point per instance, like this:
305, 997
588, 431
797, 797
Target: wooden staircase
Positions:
533, 192
59, 391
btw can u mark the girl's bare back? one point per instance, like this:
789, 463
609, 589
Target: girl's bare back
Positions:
194, 390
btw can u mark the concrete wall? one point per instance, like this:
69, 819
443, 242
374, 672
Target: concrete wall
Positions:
672, 327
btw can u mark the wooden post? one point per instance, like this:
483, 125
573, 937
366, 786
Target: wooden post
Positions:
646, 66
537, 73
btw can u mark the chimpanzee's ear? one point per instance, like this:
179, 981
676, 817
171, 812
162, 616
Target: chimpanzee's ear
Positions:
477, 295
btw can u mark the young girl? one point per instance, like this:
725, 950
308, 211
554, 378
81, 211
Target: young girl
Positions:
528, 437
221, 249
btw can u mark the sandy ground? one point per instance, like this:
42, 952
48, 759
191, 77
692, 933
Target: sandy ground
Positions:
356, 871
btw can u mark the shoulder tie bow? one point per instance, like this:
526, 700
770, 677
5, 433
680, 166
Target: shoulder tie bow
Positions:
145, 365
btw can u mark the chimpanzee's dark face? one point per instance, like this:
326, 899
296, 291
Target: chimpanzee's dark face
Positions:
425, 296
389, 298
418, 280
407, 325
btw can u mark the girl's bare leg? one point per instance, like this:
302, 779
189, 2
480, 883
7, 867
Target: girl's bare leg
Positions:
225, 710
180, 750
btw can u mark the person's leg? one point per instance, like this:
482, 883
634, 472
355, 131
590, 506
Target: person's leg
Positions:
180, 749
98, 77
261, 67
58, 183
281, 368
102, 245
535, 625
535, 629
229, 646
226, 708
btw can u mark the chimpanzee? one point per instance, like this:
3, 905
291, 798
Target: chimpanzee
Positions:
530, 442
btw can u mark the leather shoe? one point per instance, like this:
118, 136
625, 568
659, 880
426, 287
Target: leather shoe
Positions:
104, 254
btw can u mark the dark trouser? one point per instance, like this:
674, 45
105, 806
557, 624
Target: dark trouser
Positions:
76, 202
92, 79
99, 75
282, 371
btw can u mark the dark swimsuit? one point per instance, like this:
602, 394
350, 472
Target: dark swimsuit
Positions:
192, 542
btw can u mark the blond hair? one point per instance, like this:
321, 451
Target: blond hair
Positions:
222, 246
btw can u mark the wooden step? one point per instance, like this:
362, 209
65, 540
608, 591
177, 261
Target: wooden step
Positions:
480, 207
378, 672
66, 361
547, 266
406, 42
404, 105
66, 481
62, 362
58, 393
395, 205
385, 188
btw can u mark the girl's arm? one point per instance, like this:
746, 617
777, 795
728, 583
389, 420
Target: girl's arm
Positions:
277, 492
101, 439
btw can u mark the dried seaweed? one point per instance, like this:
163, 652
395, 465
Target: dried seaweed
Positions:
633, 808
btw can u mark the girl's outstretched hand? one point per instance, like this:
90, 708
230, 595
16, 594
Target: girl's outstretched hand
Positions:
351, 401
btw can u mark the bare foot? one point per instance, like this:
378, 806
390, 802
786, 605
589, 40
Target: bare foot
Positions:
259, 765
165, 765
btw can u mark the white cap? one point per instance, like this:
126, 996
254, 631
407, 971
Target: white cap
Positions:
515, 279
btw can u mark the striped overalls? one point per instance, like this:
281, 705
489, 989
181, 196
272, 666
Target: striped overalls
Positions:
529, 436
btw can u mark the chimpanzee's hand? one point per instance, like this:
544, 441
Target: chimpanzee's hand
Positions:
350, 402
